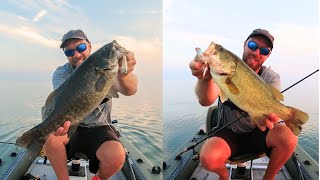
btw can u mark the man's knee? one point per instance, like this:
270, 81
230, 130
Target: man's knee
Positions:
282, 137
212, 162
111, 156
214, 153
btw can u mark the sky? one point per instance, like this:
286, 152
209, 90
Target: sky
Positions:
31, 32
293, 23
162, 34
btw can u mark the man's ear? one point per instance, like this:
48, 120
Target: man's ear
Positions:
90, 45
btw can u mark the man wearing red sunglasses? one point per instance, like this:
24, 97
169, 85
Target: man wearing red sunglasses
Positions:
278, 142
94, 137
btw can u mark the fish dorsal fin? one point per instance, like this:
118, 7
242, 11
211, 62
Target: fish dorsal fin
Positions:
223, 96
231, 86
47, 108
112, 93
275, 92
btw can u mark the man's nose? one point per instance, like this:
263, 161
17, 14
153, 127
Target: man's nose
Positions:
76, 54
257, 52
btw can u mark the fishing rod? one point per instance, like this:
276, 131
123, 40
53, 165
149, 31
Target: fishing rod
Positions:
7, 143
244, 115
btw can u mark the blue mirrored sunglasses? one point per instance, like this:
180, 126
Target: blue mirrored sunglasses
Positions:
254, 46
80, 48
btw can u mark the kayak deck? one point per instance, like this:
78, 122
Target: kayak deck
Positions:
136, 166
187, 166
259, 167
45, 171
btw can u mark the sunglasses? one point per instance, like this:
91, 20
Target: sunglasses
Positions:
80, 48
254, 46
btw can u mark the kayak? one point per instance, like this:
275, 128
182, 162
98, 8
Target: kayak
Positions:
18, 163
186, 165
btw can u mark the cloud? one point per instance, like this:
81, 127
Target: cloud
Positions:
143, 48
39, 16
294, 39
195, 37
28, 34
136, 12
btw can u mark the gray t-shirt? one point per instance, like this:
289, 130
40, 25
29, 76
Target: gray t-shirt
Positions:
228, 113
100, 116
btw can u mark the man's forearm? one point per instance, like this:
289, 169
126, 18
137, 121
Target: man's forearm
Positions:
207, 91
127, 85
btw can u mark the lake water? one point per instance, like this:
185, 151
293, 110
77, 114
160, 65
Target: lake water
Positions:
139, 116
183, 115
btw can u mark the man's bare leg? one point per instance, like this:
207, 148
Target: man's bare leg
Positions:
213, 156
56, 152
111, 156
283, 142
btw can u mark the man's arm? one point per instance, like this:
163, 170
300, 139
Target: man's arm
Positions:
207, 90
127, 84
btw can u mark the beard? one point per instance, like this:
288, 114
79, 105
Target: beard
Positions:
252, 61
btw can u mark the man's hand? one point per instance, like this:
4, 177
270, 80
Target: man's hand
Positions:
61, 131
271, 120
197, 69
131, 61
127, 83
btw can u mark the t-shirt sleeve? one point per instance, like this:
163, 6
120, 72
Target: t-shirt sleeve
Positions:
272, 78
58, 77
275, 82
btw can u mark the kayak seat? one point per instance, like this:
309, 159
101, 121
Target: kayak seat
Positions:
210, 123
245, 157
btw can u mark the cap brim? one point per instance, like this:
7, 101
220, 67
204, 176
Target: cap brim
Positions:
63, 44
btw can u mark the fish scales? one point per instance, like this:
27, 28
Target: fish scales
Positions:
79, 95
239, 83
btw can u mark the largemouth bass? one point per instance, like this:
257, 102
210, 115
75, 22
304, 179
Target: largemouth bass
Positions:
79, 95
239, 83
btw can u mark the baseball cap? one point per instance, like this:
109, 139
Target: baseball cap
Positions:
264, 33
72, 34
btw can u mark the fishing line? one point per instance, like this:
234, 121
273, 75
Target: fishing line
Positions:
244, 115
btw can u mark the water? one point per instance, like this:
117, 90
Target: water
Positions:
183, 115
139, 117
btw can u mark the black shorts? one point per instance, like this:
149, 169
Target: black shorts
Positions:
253, 142
86, 141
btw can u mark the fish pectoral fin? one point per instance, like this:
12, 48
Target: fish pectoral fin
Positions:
223, 96
231, 86
99, 69
113, 93
275, 93
259, 120
100, 83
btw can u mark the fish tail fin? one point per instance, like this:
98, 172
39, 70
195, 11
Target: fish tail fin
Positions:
296, 119
27, 138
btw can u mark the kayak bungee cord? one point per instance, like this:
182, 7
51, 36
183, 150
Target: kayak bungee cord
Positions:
244, 115
7, 143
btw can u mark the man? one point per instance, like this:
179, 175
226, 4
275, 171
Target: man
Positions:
242, 137
94, 137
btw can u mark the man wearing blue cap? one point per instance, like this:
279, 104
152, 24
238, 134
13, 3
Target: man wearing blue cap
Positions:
278, 142
95, 137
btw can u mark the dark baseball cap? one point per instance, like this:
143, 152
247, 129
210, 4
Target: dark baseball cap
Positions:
265, 33
73, 34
